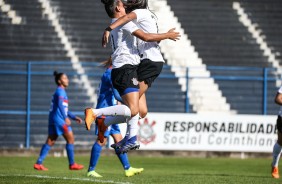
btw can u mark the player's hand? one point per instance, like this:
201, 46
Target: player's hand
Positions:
78, 120
68, 122
174, 35
105, 38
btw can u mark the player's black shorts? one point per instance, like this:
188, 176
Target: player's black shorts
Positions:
125, 79
279, 124
149, 70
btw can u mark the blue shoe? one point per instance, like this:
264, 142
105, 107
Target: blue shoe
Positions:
120, 143
131, 144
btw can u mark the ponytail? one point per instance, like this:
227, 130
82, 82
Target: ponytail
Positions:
57, 77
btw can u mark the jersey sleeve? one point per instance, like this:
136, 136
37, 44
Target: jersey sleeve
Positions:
140, 14
71, 115
61, 106
130, 27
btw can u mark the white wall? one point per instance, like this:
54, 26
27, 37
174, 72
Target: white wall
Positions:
209, 132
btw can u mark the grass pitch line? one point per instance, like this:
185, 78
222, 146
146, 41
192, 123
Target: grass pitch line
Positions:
64, 178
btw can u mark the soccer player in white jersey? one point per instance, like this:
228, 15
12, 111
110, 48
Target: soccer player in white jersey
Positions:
150, 54
278, 145
126, 58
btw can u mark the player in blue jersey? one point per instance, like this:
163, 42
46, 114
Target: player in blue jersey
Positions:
59, 124
106, 98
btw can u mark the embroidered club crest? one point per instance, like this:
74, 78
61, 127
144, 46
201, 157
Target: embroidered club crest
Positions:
134, 81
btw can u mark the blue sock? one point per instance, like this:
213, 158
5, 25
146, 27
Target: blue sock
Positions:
43, 153
124, 160
95, 155
70, 152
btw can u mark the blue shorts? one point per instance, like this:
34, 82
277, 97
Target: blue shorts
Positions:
60, 129
113, 129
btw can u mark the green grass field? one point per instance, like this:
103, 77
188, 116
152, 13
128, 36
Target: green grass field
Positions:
157, 170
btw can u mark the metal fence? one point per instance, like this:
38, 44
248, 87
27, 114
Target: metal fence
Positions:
218, 73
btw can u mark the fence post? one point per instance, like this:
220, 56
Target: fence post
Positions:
187, 91
265, 73
28, 105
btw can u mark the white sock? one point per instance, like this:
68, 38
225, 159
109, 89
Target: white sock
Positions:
276, 154
116, 110
127, 130
132, 126
109, 120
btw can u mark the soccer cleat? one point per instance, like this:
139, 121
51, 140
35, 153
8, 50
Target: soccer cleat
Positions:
120, 143
132, 171
40, 167
94, 174
102, 128
76, 166
130, 144
90, 117
275, 172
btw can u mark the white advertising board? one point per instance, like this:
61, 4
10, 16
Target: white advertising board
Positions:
207, 132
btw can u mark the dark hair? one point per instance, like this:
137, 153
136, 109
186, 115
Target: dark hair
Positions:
110, 6
57, 76
135, 4
106, 1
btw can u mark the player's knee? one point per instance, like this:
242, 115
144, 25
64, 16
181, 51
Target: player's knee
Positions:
134, 112
143, 113
104, 143
134, 109
51, 143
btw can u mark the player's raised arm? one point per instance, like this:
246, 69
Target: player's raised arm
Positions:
156, 37
121, 21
